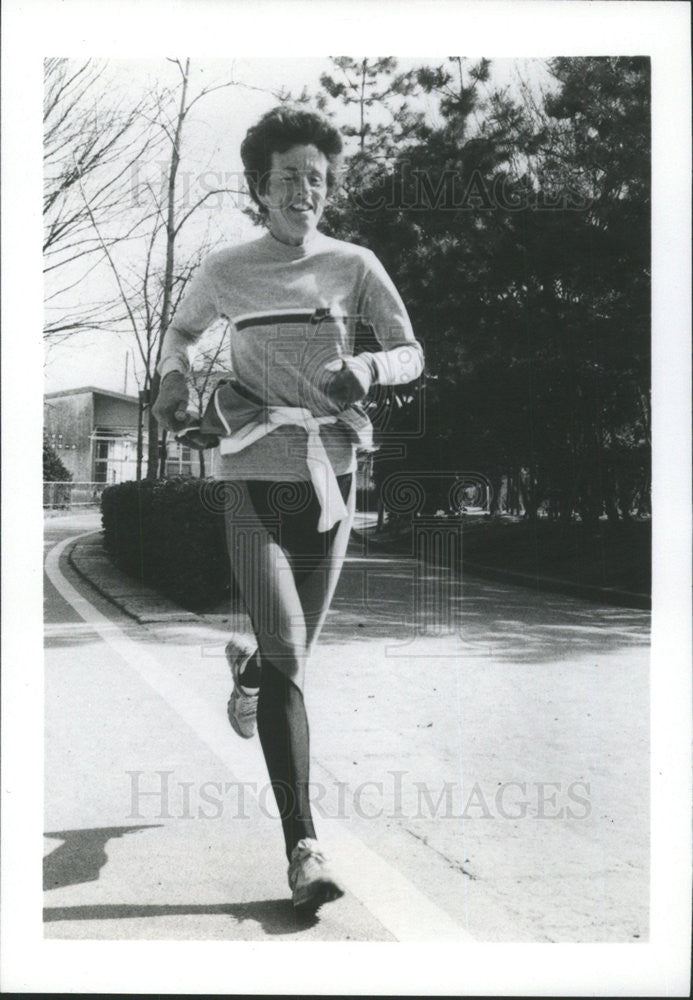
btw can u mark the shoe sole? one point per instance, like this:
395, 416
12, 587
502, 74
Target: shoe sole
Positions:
234, 723
239, 661
315, 895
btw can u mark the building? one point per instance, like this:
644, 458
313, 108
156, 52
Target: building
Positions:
94, 432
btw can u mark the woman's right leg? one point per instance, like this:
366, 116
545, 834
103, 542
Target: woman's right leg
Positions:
266, 582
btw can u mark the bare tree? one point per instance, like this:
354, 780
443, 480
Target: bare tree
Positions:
151, 279
174, 212
90, 145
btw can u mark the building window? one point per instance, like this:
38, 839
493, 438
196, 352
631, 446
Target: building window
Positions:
178, 460
101, 461
115, 457
185, 461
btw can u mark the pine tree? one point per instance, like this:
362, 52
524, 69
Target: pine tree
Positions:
518, 237
590, 257
53, 469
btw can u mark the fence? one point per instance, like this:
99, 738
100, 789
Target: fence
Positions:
65, 496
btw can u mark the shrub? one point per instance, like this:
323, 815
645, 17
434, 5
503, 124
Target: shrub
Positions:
53, 469
163, 534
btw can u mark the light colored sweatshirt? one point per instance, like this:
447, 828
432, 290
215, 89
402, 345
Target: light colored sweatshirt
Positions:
292, 311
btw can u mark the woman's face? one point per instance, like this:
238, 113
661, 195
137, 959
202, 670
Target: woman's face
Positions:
295, 193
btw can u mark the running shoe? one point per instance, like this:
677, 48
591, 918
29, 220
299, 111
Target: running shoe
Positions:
310, 878
242, 706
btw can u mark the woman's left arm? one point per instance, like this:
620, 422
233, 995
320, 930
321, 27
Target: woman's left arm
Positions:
401, 358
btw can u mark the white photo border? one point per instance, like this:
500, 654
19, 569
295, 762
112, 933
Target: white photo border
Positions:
512, 28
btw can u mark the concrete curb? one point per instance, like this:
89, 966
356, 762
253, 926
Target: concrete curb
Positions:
590, 592
145, 605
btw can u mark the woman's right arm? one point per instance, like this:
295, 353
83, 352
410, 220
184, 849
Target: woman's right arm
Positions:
195, 313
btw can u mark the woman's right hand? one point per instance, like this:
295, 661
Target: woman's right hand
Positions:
171, 406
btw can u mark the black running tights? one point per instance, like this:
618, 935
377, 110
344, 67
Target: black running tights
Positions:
287, 572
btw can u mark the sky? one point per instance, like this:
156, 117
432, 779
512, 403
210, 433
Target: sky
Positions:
212, 140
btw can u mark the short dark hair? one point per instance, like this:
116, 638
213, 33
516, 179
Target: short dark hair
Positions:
279, 130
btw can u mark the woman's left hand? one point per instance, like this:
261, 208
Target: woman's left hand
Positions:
351, 382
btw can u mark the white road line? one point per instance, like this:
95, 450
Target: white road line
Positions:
391, 898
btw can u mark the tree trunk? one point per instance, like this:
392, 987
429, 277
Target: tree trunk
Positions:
153, 430
163, 453
168, 274
143, 399
531, 495
494, 502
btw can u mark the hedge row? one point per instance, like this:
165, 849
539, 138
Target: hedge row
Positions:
169, 534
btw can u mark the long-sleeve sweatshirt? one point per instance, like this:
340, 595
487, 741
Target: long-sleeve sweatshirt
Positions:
293, 310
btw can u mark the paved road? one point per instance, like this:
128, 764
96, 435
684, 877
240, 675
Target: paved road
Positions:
481, 774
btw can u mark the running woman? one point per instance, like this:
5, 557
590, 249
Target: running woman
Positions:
291, 421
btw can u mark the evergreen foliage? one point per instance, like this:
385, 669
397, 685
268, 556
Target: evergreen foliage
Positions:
53, 469
518, 234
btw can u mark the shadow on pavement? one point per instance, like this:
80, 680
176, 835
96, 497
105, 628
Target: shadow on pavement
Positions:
276, 916
82, 855
396, 600
512, 624
377, 602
